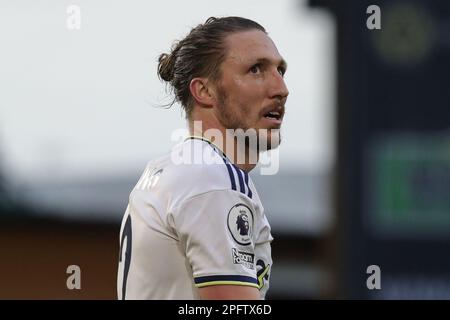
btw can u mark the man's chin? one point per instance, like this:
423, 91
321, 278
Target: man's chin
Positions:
270, 146
269, 140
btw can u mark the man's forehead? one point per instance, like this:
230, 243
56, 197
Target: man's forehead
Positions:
251, 46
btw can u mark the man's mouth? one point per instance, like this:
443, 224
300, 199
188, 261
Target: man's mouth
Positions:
273, 115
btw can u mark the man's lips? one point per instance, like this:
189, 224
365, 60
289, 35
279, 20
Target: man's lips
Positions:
273, 115
274, 112
272, 121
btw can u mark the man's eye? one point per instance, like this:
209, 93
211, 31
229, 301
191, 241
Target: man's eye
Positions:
281, 70
256, 68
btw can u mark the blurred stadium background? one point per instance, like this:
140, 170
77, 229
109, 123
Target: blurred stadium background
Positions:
364, 167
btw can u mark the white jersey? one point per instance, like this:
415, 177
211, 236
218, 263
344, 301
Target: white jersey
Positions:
191, 225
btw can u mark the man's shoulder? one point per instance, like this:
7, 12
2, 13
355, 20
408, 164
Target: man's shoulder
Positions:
196, 177
190, 169
182, 173
201, 166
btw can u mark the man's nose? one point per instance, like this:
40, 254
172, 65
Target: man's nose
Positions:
278, 88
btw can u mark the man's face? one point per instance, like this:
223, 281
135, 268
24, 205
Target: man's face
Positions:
251, 84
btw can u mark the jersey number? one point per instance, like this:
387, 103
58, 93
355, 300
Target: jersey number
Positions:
126, 236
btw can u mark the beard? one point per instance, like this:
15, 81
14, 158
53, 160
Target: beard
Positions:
254, 139
228, 118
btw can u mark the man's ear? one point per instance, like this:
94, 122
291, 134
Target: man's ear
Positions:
202, 92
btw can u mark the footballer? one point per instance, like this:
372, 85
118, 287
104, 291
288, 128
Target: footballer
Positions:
197, 229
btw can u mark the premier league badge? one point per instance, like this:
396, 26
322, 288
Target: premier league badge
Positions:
240, 224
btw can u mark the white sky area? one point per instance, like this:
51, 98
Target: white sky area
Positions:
76, 103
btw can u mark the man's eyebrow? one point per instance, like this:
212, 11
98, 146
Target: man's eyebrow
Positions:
281, 63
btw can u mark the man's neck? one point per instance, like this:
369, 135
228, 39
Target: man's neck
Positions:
236, 151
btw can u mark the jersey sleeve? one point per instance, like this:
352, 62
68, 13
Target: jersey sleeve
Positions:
216, 232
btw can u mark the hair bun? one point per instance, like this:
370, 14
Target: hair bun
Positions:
166, 66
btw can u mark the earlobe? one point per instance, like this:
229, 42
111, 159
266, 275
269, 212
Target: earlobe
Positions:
201, 92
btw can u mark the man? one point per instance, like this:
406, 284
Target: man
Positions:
198, 230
